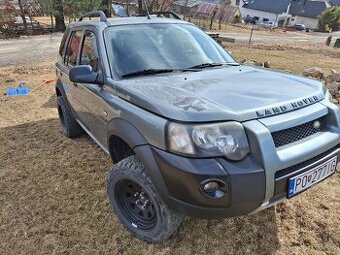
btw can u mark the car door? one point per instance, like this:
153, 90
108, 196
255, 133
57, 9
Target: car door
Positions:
71, 59
93, 113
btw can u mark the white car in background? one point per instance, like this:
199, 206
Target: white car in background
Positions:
268, 24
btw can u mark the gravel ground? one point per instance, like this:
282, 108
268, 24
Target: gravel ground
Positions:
29, 50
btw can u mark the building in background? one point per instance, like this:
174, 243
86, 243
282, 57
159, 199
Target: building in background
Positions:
276, 11
306, 12
286, 12
123, 8
186, 8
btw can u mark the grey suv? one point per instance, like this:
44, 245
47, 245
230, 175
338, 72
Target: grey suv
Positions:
190, 131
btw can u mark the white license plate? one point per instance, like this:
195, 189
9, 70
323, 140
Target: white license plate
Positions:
307, 179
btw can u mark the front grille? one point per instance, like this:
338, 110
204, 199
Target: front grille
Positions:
302, 165
297, 133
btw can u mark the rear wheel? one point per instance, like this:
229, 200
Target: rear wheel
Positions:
68, 123
137, 204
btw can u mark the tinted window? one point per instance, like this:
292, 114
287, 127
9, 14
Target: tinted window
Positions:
89, 53
73, 48
63, 44
162, 46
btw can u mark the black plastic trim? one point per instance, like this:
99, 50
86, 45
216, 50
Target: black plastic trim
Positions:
178, 181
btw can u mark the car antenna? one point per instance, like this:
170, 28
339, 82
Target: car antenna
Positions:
147, 9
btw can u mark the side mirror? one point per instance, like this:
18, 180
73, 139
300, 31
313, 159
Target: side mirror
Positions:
85, 74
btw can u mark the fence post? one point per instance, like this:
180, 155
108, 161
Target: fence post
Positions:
251, 34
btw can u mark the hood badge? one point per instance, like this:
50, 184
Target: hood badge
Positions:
289, 107
317, 125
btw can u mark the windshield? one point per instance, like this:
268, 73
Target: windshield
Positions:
135, 48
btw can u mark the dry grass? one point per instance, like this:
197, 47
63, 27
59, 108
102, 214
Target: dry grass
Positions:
293, 59
53, 198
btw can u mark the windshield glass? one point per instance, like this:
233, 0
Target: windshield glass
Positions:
135, 48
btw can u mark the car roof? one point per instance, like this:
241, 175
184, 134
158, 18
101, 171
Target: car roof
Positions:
129, 21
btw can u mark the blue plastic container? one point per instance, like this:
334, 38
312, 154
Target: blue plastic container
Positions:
20, 91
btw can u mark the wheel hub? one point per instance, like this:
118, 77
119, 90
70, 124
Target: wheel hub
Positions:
142, 200
136, 204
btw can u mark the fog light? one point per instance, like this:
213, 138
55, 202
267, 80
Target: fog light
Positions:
213, 188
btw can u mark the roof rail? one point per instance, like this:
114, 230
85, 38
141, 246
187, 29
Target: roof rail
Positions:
100, 14
167, 14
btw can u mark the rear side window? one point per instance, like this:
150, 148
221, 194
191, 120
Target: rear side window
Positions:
73, 48
89, 53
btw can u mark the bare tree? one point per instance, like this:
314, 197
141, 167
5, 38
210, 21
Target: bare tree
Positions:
165, 5
108, 7
222, 9
140, 7
23, 13
213, 17
185, 8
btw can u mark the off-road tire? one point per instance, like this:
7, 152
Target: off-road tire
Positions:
68, 123
167, 221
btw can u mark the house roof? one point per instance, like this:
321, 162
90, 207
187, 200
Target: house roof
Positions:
308, 8
272, 6
188, 3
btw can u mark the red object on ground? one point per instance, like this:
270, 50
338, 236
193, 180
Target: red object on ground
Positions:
49, 81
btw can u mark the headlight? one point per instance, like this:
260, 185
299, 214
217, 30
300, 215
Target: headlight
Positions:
210, 140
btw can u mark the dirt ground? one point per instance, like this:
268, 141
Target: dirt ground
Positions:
52, 189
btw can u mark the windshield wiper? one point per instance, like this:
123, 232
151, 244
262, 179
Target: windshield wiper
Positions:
148, 71
205, 65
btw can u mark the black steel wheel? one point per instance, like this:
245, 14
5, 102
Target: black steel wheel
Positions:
137, 204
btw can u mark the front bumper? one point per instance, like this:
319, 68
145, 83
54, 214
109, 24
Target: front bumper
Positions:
179, 183
178, 180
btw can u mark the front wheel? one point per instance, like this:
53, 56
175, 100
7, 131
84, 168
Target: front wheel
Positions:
137, 204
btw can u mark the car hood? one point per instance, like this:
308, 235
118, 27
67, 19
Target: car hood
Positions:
230, 93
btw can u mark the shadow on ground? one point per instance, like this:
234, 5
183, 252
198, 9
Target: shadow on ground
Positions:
51, 103
53, 200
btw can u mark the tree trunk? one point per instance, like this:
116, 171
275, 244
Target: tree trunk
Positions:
185, 9
52, 21
108, 7
212, 18
140, 7
59, 16
22, 14
127, 3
